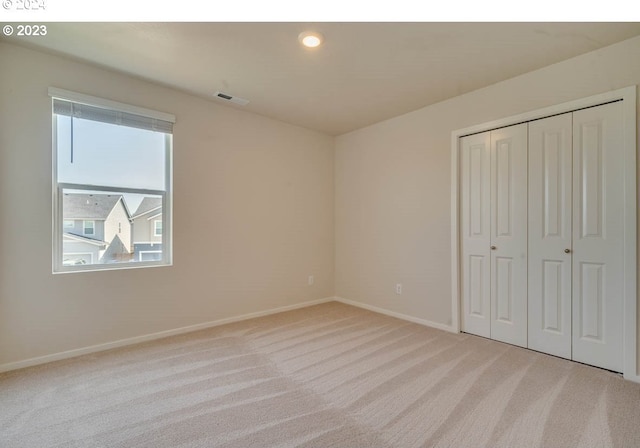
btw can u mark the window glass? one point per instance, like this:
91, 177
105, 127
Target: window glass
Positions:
108, 154
88, 226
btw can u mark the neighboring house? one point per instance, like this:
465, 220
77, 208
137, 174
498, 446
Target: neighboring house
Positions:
147, 230
96, 229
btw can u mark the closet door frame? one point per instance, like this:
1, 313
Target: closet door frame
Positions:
628, 96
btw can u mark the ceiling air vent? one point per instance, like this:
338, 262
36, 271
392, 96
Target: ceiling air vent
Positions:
231, 98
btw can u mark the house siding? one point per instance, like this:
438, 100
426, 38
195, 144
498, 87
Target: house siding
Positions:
143, 251
73, 249
78, 229
143, 229
117, 223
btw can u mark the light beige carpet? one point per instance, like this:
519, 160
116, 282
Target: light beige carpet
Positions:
326, 376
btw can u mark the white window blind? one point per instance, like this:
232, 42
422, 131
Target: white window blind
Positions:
87, 112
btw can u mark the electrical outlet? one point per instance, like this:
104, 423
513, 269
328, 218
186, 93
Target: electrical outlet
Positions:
311, 280
398, 288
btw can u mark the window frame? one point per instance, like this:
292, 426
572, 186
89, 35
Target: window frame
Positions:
85, 227
155, 227
59, 187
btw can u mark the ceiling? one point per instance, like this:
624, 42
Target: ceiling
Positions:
362, 74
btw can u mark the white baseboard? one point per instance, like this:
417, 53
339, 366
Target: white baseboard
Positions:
150, 337
406, 317
634, 378
163, 334
451, 329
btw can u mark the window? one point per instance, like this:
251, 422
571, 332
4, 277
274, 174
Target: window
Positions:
157, 228
112, 171
88, 227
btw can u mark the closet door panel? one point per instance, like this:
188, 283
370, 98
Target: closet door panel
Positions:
509, 234
476, 237
598, 230
549, 270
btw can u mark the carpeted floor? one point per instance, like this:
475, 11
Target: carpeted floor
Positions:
325, 376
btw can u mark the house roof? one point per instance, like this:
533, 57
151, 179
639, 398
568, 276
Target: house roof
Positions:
84, 239
147, 205
89, 206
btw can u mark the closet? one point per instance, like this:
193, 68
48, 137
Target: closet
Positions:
541, 234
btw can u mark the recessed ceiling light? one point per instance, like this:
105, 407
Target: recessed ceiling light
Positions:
310, 39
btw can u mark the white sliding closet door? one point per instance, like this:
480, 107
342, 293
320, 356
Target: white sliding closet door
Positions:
475, 233
550, 243
547, 231
598, 231
494, 234
509, 234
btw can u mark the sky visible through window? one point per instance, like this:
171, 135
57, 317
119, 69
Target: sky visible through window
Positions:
110, 155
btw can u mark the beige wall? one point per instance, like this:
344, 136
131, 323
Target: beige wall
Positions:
253, 205
253, 217
393, 182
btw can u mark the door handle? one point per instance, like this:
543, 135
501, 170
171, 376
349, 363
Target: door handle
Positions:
567, 251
